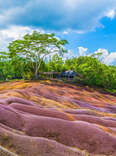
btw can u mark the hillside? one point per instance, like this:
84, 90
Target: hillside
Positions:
49, 118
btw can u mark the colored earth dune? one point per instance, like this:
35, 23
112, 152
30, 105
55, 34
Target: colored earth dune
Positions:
49, 118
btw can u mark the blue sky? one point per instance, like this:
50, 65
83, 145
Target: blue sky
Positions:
88, 25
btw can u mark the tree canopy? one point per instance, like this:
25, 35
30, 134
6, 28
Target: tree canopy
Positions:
35, 47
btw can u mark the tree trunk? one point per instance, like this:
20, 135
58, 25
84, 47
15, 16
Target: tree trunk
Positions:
36, 75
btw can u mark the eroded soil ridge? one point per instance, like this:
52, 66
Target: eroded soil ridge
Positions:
56, 119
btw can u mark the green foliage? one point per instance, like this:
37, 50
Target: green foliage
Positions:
55, 63
92, 72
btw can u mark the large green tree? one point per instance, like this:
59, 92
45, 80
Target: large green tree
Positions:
36, 47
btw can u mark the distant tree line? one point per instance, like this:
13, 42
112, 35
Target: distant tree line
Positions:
39, 52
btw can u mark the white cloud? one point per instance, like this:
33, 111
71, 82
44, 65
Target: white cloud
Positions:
110, 59
69, 54
111, 14
107, 57
104, 53
77, 15
82, 51
8, 15
13, 33
65, 32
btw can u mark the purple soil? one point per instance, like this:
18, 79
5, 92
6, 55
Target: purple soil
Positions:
30, 128
34, 146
